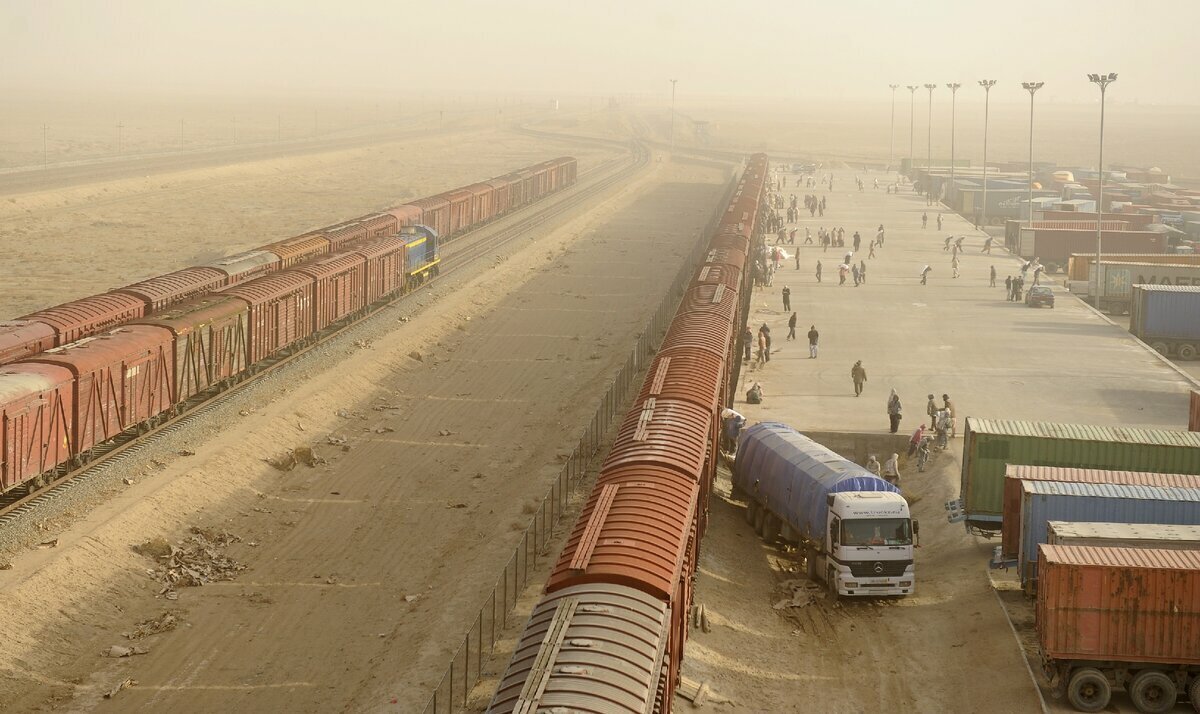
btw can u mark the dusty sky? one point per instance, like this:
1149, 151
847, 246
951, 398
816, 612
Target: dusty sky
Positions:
843, 48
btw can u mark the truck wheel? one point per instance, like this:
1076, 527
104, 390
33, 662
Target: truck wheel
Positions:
1187, 351
1153, 692
1194, 693
1089, 690
760, 515
1160, 347
810, 571
750, 508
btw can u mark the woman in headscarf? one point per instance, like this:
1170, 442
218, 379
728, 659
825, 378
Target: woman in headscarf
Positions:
894, 409
891, 470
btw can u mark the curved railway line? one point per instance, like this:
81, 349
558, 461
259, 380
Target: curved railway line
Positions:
457, 256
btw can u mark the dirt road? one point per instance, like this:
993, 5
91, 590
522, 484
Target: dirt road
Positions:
361, 572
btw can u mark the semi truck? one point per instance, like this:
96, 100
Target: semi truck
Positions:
1167, 317
990, 445
1118, 279
1120, 617
854, 528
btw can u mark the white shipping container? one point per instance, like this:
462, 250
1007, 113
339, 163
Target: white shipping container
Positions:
1124, 535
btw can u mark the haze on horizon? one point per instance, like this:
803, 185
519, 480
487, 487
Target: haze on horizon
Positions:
849, 50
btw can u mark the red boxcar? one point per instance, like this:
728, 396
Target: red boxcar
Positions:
246, 266
281, 311
211, 341
460, 209
22, 338
385, 273
407, 215
435, 213
482, 205
89, 316
122, 378
501, 195
171, 288
35, 421
345, 233
340, 286
298, 249
380, 225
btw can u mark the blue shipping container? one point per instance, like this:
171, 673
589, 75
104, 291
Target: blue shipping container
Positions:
792, 475
1169, 312
1043, 501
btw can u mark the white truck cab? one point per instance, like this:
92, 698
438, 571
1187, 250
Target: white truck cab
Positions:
870, 544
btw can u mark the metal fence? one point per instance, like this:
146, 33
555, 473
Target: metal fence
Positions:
466, 666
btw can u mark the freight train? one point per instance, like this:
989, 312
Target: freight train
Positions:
448, 214
609, 633
82, 373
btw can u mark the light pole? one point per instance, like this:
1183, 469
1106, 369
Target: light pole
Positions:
673, 81
1102, 81
120, 126
929, 143
1032, 87
45, 154
912, 105
892, 136
953, 87
987, 85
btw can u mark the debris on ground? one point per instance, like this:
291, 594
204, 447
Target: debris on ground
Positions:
53, 543
384, 407
384, 430
416, 355
121, 651
800, 593
344, 414
154, 548
335, 440
186, 452
411, 598
306, 456
196, 562
456, 505
445, 432
165, 622
128, 481
123, 684
284, 462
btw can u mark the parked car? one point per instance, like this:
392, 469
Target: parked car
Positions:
1039, 295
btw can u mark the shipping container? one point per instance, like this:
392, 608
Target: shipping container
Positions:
1120, 616
461, 217
1016, 474
212, 341
1044, 501
340, 287
385, 273
246, 266
1117, 281
22, 338
1080, 263
88, 316
501, 195
175, 287
1167, 317
435, 213
1137, 221
299, 249
121, 379
407, 215
990, 445
380, 225
1123, 535
281, 311
591, 648
344, 234
1055, 246
36, 406
482, 204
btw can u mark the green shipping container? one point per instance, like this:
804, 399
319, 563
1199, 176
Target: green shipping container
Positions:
991, 445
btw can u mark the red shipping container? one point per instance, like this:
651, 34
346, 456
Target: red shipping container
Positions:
344, 233
21, 338
340, 287
1010, 528
298, 249
35, 421
89, 316
211, 341
281, 311
122, 378
1056, 246
1136, 221
385, 272
380, 225
1133, 605
171, 288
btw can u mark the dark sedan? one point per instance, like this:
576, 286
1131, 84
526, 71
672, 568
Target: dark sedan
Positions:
1039, 295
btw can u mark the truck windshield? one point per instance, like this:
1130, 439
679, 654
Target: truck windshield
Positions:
876, 531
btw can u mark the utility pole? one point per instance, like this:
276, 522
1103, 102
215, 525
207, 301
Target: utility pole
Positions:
120, 126
181, 133
929, 141
892, 135
987, 85
45, 153
1102, 81
235, 130
912, 107
1032, 87
953, 87
673, 81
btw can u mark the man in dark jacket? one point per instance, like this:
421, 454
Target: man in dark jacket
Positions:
792, 327
858, 373
813, 337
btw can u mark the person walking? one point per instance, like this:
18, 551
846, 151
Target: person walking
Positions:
872, 464
813, 338
792, 327
761, 357
947, 246
939, 221
862, 270
854, 274
992, 284
858, 374
954, 266
787, 299
891, 468
924, 220
931, 409
895, 412
925, 274
857, 241
948, 406
987, 246
747, 344
767, 347
1008, 291
797, 260
871, 250
879, 235
818, 271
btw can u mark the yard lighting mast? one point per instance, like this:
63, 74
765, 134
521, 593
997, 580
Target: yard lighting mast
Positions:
1102, 81
912, 105
953, 87
892, 136
929, 140
1032, 87
987, 85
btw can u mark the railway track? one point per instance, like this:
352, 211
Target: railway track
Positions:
457, 255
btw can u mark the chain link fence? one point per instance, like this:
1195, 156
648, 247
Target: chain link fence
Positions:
466, 666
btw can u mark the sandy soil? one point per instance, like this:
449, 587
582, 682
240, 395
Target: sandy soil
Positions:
127, 230
428, 502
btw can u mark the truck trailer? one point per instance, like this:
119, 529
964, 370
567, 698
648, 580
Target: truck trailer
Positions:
854, 528
1120, 617
1167, 317
1117, 281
